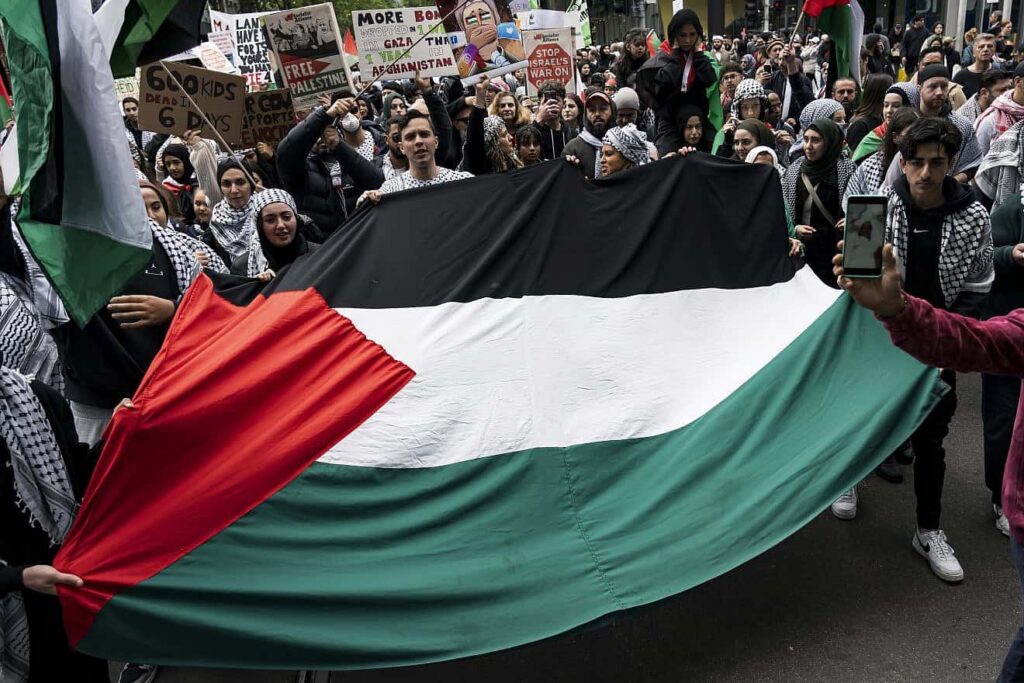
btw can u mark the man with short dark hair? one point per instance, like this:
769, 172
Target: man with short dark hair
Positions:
419, 145
728, 78
942, 238
555, 132
994, 83
984, 46
138, 139
933, 55
913, 39
844, 91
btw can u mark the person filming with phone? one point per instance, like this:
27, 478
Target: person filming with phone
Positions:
941, 238
781, 74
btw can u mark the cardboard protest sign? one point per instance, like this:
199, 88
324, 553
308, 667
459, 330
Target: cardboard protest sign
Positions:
307, 45
127, 87
251, 56
550, 54
268, 117
164, 108
215, 60
484, 37
383, 36
225, 40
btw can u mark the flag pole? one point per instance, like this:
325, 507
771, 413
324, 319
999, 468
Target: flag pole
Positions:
796, 29
213, 128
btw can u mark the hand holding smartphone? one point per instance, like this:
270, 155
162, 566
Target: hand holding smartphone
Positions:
864, 236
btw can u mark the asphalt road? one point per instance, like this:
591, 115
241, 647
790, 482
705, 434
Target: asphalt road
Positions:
838, 601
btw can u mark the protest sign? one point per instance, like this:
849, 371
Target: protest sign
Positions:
127, 87
215, 60
268, 117
484, 36
225, 40
307, 45
382, 36
550, 54
251, 56
164, 108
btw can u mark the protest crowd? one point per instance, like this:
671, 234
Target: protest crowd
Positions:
937, 131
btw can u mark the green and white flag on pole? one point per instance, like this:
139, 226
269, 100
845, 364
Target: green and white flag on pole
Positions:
80, 214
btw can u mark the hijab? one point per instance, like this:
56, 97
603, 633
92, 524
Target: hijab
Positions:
178, 152
230, 226
688, 111
630, 142
824, 169
909, 93
760, 130
263, 254
815, 110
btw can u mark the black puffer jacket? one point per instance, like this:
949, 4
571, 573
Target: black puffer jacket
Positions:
307, 178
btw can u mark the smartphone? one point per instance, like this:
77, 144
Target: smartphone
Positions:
769, 68
864, 235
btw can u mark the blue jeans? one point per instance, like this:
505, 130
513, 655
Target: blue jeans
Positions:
1013, 665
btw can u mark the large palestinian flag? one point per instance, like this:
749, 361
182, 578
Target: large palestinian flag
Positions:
485, 413
843, 21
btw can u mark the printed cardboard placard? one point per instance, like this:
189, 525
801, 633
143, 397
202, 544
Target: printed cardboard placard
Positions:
268, 117
384, 36
307, 46
251, 55
484, 36
164, 108
551, 58
215, 60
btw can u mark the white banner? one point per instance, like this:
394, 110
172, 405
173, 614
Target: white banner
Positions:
251, 55
384, 36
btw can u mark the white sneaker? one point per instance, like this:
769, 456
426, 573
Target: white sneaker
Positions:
846, 506
1002, 523
933, 546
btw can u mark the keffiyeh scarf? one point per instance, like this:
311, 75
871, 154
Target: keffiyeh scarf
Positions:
748, 89
181, 252
999, 175
24, 344
1005, 112
818, 109
257, 262
229, 226
41, 488
630, 142
965, 256
791, 181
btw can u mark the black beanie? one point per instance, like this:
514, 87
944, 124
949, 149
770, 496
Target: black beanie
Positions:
932, 71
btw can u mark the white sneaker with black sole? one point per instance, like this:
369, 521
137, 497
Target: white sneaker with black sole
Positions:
845, 506
1002, 523
932, 546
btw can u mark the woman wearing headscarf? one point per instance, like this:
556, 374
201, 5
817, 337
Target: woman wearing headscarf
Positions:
489, 146
749, 134
813, 187
763, 154
43, 473
181, 178
394, 105
230, 220
697, 130
897, 96
276, 240
750, 101
622, 149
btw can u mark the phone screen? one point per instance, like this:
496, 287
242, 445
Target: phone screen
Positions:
864, 236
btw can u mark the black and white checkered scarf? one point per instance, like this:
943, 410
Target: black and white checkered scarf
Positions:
181, 251
42, 489
229, 227
965, 254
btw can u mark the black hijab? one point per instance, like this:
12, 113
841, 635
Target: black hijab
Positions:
824, 169
179, 152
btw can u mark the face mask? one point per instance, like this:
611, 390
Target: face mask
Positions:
350, 123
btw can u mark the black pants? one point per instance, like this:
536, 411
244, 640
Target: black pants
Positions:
930, 456
999, 397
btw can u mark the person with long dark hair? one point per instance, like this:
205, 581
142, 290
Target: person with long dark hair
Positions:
868, 115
